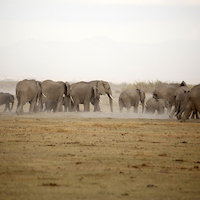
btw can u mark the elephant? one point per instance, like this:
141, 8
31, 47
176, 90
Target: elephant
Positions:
28, 91
6, 98
180, 99
84, 93
130, 98
67, 104
193, 103
50, 105
103, 88
156, 104
54, 91
166, 91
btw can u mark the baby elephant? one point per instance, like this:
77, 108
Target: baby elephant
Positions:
154, 104
6, 98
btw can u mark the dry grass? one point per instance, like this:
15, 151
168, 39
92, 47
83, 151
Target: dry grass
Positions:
56, 156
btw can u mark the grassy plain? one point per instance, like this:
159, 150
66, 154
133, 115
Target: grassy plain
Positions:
98, 156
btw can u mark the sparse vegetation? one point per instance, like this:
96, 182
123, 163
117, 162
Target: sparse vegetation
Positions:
148, 86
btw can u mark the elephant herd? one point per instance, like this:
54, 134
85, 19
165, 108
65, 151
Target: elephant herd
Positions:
54, 95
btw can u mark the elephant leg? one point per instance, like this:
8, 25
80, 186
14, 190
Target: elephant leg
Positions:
59, 106
21, 103
9, 107
86, 106
136, 109
5, 108
161, 110
120, 105
172, 113
169, 110
143, 107
32, 106
96, 105
150, 110
187, 113
146, 109
75, 106
19, 109
41, 107
193, 115
128, 109
96, 108
197, 115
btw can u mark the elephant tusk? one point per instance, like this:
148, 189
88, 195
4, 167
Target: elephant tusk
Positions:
71, 99
112, 98
100, 100
44, 95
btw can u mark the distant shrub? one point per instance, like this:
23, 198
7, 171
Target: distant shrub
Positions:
148, 86
8, 84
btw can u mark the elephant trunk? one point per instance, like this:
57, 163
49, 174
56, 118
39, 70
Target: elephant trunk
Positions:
111, 102
67, 88
142, 107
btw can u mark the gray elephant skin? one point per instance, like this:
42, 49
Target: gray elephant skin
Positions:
166, 91
180, 99
158, 105
54, 91
193, 103
50, 105
27, 91
104, 89
6, 98
129, 98
83, 93
67, 103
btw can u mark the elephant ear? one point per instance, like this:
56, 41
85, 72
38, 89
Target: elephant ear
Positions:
96, 92
183, 84
139, 91
101, 87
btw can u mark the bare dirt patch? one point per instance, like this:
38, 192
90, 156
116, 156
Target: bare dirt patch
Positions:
71, 156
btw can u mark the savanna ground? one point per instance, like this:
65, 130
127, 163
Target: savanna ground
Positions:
98, 155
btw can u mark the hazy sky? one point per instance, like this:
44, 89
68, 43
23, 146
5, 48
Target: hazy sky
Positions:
121, 20
136, 21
